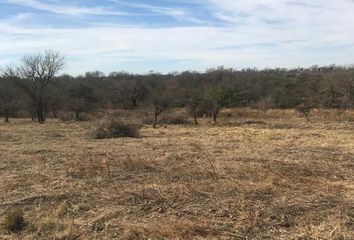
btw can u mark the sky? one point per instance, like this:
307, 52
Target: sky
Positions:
176, 35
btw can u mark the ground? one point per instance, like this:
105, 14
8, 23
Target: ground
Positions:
272, 179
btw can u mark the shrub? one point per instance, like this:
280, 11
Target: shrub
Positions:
174, 119
66, 116
305, 110
14, 221
148, 120
117, 129
83, 117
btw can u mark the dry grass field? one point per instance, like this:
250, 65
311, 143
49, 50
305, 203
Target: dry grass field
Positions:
282, 178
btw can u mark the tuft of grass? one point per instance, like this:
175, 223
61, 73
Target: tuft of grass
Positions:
117, 129
14, 221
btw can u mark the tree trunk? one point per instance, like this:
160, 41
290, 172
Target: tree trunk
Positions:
195, 114
40, 109
45, 113
157, 112
40, 116
7, 115
54, 113
195, 119
155, 119
215, 115
33, 116
77, 115
135, 104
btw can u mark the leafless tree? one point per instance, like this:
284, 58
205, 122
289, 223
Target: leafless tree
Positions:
34, 75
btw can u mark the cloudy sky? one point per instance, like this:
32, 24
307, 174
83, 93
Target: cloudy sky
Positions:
176, 35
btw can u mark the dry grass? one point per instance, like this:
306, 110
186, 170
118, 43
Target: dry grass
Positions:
280, 179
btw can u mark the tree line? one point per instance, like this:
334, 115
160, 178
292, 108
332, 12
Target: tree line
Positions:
36, 87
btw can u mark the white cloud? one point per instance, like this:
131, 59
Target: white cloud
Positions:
273, 33
64, 9
175, 12
286, 12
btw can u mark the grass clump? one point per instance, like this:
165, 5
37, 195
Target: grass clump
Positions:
117, 129
14, 221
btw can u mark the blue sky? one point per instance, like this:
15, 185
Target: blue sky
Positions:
177, 35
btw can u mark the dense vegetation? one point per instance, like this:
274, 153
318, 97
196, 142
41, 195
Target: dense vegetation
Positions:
28, 91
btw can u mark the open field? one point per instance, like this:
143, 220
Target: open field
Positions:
281, 179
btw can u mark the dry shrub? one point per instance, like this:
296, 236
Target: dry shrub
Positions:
117, 129
99, 114
332, 115
128, 114
174, 119
14, 221
227, 113
69, 116
84, 117
237, 113
66, 116
250, 113
22, 114
148, 120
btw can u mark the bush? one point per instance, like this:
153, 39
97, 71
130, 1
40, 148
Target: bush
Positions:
66, 116
117, 129
14, 221
84, 117
174, 120
305, 110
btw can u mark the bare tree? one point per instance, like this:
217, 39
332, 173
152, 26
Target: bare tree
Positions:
34, 75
